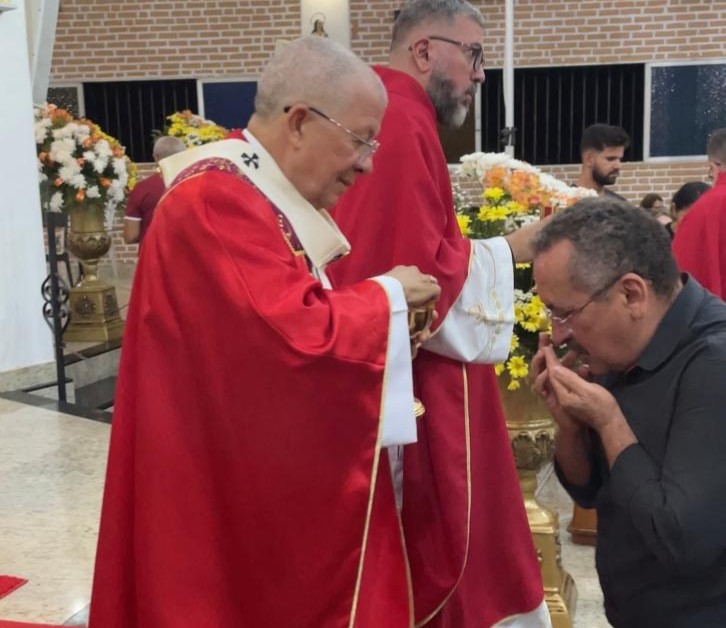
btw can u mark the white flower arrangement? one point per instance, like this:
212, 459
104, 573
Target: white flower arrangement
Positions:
77, 161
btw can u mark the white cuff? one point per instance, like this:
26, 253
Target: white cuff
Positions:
478, 327
399, 423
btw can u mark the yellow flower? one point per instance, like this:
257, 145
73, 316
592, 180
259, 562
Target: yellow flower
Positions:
514, 345
492, 214
513, 384
494, 194
499, 368
517, 208
517, 367
464, 222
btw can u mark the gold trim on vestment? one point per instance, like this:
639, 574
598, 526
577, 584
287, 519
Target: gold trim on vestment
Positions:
467, 432
371, 495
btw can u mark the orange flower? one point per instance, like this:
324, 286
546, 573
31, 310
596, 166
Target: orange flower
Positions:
80, 195
104, 182
58, 182
495, 177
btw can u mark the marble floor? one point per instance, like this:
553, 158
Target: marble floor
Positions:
52, 467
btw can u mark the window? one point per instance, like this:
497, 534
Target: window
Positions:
131, 110
68, 97
554, 105
229, 102
685, 102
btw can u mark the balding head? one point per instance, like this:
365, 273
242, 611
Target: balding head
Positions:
315, 71
166, 146
317, 112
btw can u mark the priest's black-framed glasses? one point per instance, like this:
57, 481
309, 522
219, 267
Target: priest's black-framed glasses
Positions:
476, 50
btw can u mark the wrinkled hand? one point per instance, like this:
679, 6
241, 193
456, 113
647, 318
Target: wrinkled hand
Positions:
419, 289
575, 398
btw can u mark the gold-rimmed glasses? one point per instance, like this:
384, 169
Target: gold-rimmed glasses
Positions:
365, 148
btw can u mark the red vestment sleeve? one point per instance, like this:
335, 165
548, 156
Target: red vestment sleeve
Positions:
243, 456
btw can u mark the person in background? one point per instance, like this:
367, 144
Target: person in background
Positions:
684, 198
602, 149
653, 201
653, 204
249, 481
639, 399
473, 562
700, 242
146, 194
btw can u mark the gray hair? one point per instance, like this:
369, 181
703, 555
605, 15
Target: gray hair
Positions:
419, 11
312, 70
167, 145
717, 146
611, 238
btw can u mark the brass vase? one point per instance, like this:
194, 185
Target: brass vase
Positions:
531, 433
94, 308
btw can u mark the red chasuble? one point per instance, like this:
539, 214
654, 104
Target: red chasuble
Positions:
245, 479
472, 557
700, 242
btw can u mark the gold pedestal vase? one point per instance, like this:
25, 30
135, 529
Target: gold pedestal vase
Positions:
94, 308
532, 432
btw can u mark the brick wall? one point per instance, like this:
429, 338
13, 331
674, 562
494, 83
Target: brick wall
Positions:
219, 38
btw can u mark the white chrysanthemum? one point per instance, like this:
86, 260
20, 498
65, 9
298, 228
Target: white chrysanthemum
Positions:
119, 165
100, 164
41, 130
62, 150
69, 170
103, 148
89, 156
93, 192
115, 191
83, 131
77, 181
56, 202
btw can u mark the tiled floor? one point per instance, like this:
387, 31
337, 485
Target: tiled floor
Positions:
51, 475
52, 467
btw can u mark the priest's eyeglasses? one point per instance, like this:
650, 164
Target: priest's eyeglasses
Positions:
476, 51
365, 148
565, 318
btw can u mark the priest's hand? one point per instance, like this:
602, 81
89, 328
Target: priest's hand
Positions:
420, 290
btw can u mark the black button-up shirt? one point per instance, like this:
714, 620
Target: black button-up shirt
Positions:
661, 546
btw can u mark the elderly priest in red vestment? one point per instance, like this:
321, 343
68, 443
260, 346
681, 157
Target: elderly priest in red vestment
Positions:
249, 484
473, 563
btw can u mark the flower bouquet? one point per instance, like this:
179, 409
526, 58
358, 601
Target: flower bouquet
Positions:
78, 162
514, 194
192, 129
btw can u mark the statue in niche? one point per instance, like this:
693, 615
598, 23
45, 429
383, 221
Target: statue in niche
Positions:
318, 21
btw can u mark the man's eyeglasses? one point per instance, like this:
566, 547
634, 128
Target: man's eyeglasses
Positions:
476, 51
365, 148
566, 317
